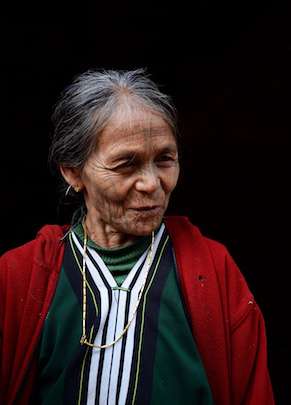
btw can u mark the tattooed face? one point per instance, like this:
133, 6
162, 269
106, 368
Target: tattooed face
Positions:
128, 179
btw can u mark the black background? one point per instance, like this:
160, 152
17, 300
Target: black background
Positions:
227, 66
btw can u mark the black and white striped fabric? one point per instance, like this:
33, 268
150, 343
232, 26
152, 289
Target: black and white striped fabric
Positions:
110, 368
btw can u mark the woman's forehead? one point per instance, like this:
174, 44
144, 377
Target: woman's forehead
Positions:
134, 117
112, 145
136, 139
132, 126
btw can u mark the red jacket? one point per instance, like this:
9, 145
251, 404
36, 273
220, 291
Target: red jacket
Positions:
226, 322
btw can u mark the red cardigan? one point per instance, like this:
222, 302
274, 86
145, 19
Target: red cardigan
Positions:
226, 322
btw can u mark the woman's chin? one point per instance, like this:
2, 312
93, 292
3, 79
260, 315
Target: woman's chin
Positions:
143, 227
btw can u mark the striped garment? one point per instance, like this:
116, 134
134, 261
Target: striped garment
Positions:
156, 360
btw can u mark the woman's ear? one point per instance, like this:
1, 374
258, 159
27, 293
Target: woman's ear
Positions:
73, 177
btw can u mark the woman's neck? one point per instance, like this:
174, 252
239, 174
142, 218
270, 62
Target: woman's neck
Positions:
104, 235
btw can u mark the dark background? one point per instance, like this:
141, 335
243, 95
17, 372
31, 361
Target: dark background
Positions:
228, 69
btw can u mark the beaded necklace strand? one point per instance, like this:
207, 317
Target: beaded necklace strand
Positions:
84, 340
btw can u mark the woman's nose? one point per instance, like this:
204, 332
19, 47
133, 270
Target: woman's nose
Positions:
148, 180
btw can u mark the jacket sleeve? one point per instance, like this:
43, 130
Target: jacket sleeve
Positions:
226, 322
13, 288
251, 383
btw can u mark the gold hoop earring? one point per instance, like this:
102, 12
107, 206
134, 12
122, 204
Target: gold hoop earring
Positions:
77, 189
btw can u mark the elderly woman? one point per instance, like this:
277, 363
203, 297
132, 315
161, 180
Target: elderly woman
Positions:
125, 305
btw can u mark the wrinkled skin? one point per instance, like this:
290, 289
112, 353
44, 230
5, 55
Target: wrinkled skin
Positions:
127, 181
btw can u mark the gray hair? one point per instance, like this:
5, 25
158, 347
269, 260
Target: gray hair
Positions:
87, 104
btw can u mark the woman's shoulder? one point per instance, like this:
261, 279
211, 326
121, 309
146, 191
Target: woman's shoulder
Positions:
187, 233
47, 238
33, 262
199, 255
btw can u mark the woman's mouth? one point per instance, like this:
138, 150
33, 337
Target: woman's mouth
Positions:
150, 210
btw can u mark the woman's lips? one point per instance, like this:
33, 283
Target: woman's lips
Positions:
152, 210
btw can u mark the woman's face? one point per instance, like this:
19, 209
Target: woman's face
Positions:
127, 181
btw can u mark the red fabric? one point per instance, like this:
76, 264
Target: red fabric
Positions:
226, 321
28, 277
227, 324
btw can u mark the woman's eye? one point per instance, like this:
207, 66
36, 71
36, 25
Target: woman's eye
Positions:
127, 164
166, 159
